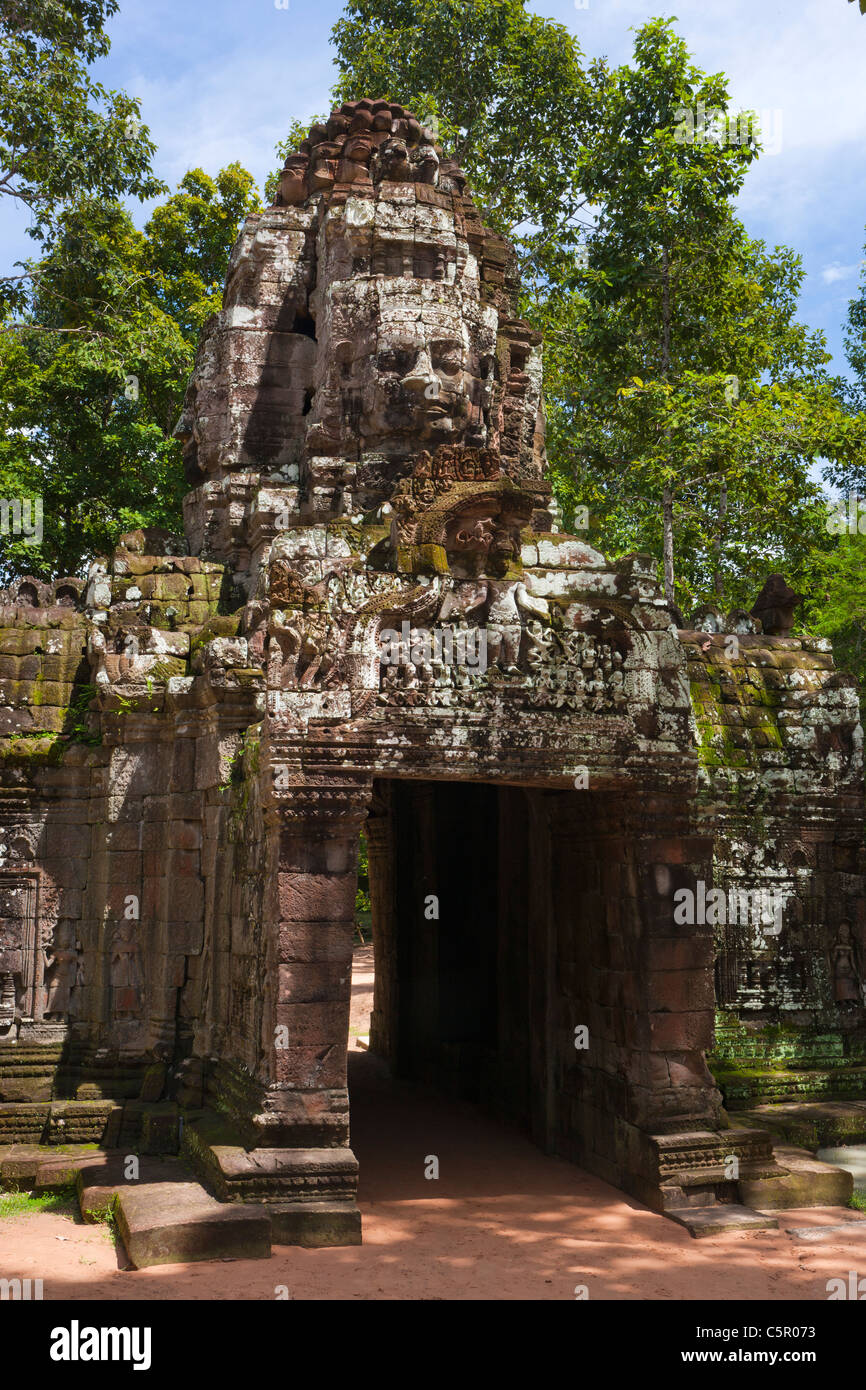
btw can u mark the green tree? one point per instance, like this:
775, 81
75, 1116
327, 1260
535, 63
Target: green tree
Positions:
189, 240
686, 403
92, 381
507, 89
837, 606
90, 384
62, 135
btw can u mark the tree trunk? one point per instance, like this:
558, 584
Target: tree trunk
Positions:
668, 540
668, 495
721, 523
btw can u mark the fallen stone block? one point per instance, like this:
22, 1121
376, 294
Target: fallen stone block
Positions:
99, 1181
173, 1223
62, 1171
804, 1182
24, 1165
816, 1233
717, 1221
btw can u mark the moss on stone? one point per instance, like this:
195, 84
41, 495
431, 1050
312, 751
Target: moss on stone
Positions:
226, 625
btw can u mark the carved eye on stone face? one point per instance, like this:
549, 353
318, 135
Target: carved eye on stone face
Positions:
447, 356
391, 360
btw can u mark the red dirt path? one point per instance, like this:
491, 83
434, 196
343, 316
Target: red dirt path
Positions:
503, 1221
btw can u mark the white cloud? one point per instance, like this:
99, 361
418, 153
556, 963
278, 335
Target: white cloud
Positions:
833, 272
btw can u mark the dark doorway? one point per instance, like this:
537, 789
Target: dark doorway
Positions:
451, 910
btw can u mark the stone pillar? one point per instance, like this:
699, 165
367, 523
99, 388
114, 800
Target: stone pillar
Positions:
292, 1116
638, 986
307, 1101
676, 992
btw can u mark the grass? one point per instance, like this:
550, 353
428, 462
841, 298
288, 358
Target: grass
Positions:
858, 1201
63, 1201
31, 1203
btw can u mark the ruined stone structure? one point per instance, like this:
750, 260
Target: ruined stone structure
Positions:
374, 624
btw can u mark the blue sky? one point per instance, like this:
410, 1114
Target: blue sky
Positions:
222, 80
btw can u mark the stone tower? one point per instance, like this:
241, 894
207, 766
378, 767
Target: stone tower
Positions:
373, 624
368, 317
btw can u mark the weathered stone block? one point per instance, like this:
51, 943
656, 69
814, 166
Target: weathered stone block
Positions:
315, 1224
174, 1223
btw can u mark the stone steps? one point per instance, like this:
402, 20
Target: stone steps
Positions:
42, 1167
100, 1179
811, 1124
175, 1222
163, 1216
149, 1126
805, 1182
720, 1219
745, 1091
697, 1186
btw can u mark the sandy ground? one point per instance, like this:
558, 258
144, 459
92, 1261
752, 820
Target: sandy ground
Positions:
502, 1221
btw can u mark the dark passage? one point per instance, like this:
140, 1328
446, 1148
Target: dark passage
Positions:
449, 879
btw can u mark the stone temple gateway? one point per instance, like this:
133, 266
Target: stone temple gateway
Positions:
375, 624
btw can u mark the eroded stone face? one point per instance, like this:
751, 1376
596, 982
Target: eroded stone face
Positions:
368, 315
402, 364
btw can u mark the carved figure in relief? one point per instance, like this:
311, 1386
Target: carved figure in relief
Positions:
539, 644
845, 967
617, 687
480, 535
125, 972
505, 605
63, 972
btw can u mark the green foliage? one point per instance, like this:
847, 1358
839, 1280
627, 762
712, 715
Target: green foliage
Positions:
685, 403
837, 607
92, 378
189, 239
62, 135
91, 383
362, 896
506, 88
80, 723
32, 1203
848, 469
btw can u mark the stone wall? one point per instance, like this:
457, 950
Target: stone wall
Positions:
119, 722
781, 787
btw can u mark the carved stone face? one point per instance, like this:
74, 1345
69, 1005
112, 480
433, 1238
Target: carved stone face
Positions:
368, 316
403, 368
425, 381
